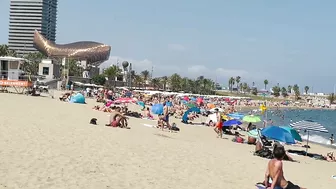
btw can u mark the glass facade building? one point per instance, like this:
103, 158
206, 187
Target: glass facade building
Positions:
25, 17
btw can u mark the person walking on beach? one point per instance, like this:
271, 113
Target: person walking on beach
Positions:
166, 114
275, 172
219, 125
331, 139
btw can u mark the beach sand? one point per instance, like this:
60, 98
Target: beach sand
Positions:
48, 144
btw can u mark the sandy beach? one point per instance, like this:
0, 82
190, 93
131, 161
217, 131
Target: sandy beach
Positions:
50, 144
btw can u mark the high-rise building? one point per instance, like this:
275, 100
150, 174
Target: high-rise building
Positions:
26, 16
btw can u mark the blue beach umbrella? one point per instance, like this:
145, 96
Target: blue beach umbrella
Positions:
231, 123
157, 109
185, 115
278, 134
294, 133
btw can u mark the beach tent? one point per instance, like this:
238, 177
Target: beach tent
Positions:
308, 126
185, 115
78, 98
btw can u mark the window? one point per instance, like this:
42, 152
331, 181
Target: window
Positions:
45, 71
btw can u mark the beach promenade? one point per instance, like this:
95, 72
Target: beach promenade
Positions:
49, 144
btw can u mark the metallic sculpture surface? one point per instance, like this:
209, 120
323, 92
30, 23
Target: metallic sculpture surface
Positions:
94, 53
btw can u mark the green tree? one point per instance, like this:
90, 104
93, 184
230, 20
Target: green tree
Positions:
306, 88
254, 91
289, 89
331, 98
231, 83
31, 66
265, 83
276, 91
175, 82
138, 80
184, 84
284, 92
241, 87
145, 75
296, 90
245, 87
237, 82
164, 81
99, 79
112, 72
156, 83
5, 51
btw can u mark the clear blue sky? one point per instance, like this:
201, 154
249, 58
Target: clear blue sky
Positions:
285, 41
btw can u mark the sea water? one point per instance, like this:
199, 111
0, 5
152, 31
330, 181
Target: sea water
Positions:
327, 118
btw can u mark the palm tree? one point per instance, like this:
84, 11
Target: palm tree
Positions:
155, 83
331, 98
184, 84
245, 87
164, 81
265, 83
306, 88
175, 82
138, 80
241, 87
238, 81
289, 89
296, 90
145, 75
231, 83
284, 92
112, 72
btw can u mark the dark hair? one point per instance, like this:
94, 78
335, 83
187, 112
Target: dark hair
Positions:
279, 152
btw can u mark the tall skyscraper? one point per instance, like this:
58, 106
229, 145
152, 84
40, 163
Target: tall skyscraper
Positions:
26, 16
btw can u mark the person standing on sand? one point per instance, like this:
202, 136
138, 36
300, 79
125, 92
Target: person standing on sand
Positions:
219, 125
166, 114
275, 172
331, 139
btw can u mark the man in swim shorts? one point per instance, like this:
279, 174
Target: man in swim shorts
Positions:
275, 172
166, 114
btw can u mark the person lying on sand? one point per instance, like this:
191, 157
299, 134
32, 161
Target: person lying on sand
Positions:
119, 120
275, 172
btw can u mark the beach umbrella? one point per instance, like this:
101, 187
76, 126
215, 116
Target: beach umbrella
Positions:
219, 110
199, 100
236, 115
190, 105
157, 109
124, 100
252, 119
308, 126
278, 134
294, 133
211, 105
185, 115
183, 101
186, 98
253, 133
141, 103
232, 122
193, 99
